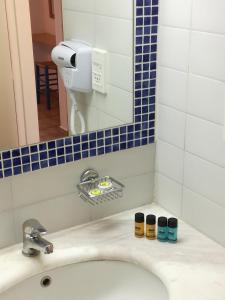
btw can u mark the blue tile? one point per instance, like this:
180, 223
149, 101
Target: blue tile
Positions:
6, 155
100, 143
123, 146
100, 134
15, 152
108, 149
85, 154
108, 141
69, 150
44, 164
76, 148
17, 161
25, 150
33, 148
52, 162
92, 136
116, 139
123, 138
26, 168
17, 170
115, 131
35, 166
52, 145
76, 139
84, 138
7, 163
60, 143
8, 173
69, 158
43, 155
101, 151
60, 151
93, 144
139, 2
26, 159
34, 157
61, 160
108, 133
84, 146
116, 148
77, 156
68, 141
93, 152
52, 153
42, 147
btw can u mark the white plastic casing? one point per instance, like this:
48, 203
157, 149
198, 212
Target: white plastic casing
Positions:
74, 59
99, 70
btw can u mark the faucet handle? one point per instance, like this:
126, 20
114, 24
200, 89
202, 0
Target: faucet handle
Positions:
33, 227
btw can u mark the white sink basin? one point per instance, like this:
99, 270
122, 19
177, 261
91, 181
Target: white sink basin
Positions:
97, 280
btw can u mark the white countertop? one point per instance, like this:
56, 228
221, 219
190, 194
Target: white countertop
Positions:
192, 269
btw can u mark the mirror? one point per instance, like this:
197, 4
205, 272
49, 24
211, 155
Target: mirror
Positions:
42, 101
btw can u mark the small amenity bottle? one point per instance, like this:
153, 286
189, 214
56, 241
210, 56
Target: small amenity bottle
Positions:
162, 229
172, 230
139, 225
151, 227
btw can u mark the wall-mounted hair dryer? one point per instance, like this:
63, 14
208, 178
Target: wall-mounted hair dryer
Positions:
74, 60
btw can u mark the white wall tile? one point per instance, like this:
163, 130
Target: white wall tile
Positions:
121, 71
138, 191
114, 35
204, 215
54, 214
79, 5
171, 125
117, 103
172, 88
209, 15
168, 194
191, 82
205, 178
106, 121
173, 48
7, 229
176, 13
80, 26
206, 98
205, 139
115, 8
5, 195
169, 161
207, 55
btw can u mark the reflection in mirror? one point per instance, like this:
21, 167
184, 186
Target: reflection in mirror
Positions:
72, 67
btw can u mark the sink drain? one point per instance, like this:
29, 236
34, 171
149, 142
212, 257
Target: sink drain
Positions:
46, 281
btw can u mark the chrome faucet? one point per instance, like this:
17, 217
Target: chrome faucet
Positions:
33, 243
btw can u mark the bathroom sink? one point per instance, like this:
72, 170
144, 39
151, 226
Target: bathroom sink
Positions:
94, 280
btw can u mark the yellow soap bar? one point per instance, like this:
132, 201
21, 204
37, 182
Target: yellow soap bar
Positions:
105, 185
95, 192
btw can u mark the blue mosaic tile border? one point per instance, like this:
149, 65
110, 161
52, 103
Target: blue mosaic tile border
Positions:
141, 132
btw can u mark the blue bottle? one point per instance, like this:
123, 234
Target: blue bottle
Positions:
162, 229
172, 230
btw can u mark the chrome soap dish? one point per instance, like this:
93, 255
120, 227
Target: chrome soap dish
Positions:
96, 190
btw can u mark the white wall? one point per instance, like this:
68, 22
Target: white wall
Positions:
191, 107
51, 195
107, 25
